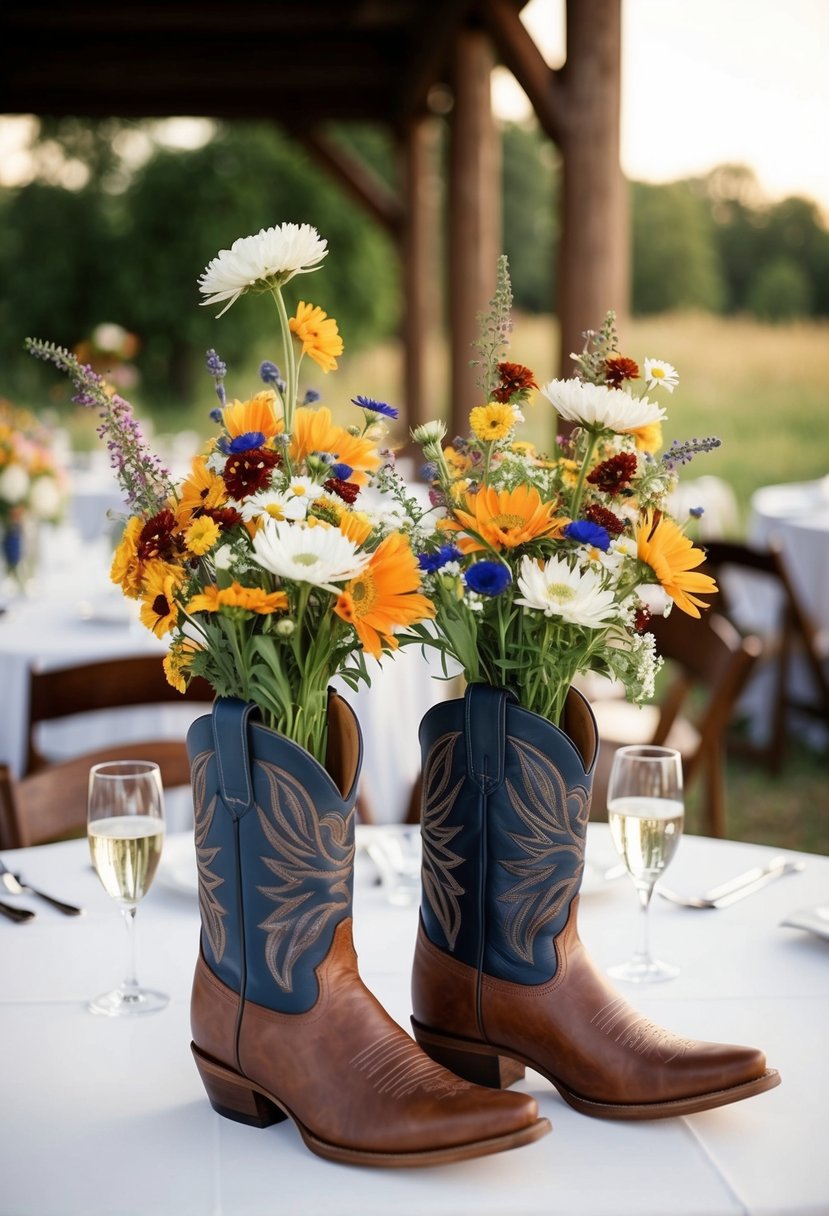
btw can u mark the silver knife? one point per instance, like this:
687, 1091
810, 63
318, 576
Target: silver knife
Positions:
753, 880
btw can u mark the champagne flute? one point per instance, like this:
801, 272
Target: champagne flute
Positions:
645, 811
125, 829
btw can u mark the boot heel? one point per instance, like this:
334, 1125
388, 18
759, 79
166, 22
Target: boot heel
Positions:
473, 1061
233, 1097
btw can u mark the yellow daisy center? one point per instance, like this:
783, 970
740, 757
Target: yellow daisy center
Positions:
560, 592
505, 522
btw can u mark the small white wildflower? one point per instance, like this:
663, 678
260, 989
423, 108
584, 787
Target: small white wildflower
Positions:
661, 375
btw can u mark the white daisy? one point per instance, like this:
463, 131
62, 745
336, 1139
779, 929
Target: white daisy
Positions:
556, 590
307, 555
291, 503
661, 374
600, 408
269, 259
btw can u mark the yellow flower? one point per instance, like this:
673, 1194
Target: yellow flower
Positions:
315, 431
522, 447
202, 535
504, 519
125, 570
458, 463
492, 422
318, 334
663, 546
249, 599
648, 438
260, 414
159, 611
200, 491
356, 525
177, 663
384, 595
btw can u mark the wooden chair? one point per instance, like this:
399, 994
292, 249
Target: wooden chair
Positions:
709, 663
111, 684
743, 572
50, 804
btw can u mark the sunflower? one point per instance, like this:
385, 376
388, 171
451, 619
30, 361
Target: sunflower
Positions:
200, 491
316, 431
663, 546
177, 661
384, 595
159, 611
202, 535
505, 519
259, 414
492, 422
318, 334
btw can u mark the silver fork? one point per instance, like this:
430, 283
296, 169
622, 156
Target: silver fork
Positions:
15, 885
736, 888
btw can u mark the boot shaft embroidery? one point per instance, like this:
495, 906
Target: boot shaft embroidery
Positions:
212, 910
440, 886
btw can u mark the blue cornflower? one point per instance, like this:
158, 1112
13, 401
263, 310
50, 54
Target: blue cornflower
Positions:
246, 443
430, 562
428, 472
376, 407
696, 512
311, 395
341, 471
269, 373
488, 578
216, 415
587, 533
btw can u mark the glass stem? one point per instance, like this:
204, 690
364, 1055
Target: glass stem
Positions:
643, 952
130, 984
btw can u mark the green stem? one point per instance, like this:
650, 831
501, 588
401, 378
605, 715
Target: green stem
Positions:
291, 367
585, 464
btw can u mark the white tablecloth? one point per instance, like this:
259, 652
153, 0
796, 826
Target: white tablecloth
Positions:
797, 515
108, 1118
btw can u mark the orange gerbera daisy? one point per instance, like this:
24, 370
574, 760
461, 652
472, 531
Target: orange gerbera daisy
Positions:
316, 431
250, 599
356, 525
318, 334
200, 491
663, 546
260, 413
384, 595
504, 519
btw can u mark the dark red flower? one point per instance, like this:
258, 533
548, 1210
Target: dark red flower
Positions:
249, 472
605, 519
614, 474
225, 517
618, 369
346, 490
642, 619
515, 378
158, 538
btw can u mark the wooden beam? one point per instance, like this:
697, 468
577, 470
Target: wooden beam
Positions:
594, 248
357, 178
430, 57
474, 214
519, 53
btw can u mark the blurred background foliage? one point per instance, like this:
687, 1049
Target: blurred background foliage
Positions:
115, 227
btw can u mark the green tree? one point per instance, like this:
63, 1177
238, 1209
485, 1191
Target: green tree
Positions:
674, 256
780, 291
530, 214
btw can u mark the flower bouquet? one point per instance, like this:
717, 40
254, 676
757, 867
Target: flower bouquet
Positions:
543, 567
32, 488
284, 556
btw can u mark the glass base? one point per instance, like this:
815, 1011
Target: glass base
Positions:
644, 971
123, 1002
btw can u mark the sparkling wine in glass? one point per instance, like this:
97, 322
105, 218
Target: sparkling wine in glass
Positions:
645, 810
125, 829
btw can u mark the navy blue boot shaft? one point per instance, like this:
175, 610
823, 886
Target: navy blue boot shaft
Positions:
506, 798
275, 852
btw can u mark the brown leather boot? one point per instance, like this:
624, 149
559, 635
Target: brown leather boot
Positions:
282, 1023
501, 979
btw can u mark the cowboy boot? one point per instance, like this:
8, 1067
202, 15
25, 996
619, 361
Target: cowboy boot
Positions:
282, 1024
501, 979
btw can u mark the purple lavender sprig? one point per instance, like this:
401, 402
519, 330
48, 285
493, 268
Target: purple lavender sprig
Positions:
684, 452
145, 481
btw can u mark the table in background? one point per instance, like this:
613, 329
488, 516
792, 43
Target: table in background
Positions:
109, 1118
797, 515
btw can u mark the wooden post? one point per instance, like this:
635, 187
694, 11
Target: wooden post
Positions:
419, 263
474, 214
594, 248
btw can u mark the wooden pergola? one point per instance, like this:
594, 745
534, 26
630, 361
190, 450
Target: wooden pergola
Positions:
408, 64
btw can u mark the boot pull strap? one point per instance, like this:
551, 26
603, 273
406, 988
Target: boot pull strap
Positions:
485, 719
230, 736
